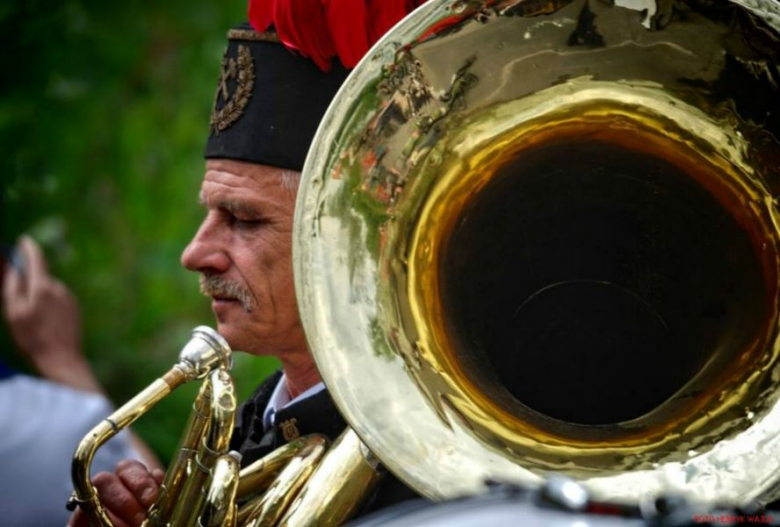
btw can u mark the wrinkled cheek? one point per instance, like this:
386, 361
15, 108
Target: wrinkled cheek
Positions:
286, 300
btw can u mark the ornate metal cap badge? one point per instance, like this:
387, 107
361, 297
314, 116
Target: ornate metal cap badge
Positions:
238, 72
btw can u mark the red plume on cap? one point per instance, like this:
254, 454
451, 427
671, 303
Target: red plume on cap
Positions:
323, 29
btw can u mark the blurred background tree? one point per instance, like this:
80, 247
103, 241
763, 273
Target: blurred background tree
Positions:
104, 110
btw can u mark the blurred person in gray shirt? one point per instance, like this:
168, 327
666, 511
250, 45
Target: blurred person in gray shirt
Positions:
43, 419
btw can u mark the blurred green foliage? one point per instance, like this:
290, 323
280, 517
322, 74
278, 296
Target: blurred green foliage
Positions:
104, 111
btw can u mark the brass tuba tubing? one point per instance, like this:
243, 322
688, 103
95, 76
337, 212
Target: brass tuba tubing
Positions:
204, 485
176, 476
220, 506
273, 505
341, 483
205, 350
214, 444
85, 494
259, 475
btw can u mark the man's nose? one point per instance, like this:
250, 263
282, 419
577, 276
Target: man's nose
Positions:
205, 253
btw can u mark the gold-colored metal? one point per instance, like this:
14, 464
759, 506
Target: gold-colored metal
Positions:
220, 508
190, 502
258, 476
204, 485
644, 118
271, 507
204, 351
184, 463
439, 116
338, 487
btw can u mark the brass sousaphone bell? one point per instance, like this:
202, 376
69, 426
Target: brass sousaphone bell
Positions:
531, 237
540, 237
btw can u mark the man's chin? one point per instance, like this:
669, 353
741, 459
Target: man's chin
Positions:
226, 309
230, 334
237, 337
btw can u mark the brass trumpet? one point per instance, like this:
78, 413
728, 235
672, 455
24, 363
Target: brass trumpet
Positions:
204, 486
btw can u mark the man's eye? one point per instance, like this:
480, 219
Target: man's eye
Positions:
242, 224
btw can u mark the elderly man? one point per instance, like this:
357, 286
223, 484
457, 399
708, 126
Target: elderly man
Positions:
267, 107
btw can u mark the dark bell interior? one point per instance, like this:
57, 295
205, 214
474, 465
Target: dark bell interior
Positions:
593, 282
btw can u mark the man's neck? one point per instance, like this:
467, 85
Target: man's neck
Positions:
300, 372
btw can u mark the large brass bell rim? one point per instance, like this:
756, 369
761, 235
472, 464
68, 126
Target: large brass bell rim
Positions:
631, 438
339, 244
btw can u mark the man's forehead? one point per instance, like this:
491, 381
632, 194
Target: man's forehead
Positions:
229, 169
229, 200
237, 176
235, 185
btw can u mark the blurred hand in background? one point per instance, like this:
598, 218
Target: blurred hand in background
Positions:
44, 319
44, 419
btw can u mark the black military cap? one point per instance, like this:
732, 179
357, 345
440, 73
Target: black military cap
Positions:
269, 101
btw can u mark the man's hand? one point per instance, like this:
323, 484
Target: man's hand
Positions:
126, 495
44, 320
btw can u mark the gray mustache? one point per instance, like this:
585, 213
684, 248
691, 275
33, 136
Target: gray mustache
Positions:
216, 285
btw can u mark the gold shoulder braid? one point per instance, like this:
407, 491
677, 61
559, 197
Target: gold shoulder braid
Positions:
242, 69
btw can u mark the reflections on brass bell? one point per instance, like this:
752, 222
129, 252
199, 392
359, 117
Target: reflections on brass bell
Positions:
562, 248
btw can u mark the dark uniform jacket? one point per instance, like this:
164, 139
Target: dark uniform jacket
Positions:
316, 414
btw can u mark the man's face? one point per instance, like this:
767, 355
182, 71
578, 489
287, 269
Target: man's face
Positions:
243, 251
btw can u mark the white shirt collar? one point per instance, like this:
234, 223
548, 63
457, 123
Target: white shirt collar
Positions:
280, 399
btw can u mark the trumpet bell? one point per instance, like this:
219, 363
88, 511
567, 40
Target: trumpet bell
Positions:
543, 236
